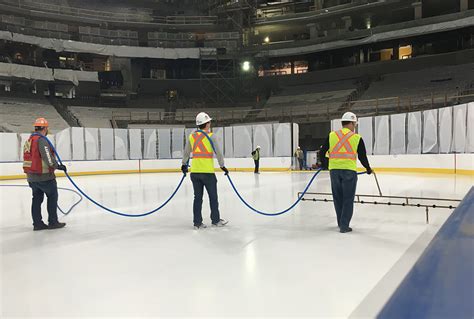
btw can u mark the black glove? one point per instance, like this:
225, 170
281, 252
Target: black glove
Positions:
369, 171
184, 169
226, 171
63, 168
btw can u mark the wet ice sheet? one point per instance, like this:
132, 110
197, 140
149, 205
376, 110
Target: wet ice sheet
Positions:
295, 264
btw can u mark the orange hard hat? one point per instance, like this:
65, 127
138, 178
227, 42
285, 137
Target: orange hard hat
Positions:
41, 122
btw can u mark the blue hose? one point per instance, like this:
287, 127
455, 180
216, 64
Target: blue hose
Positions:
61, 188
259, 211
102, 206
277, 213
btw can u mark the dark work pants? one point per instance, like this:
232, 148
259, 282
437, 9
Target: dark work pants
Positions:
50, 188
209, 181
343, 184
300, 162
257, 165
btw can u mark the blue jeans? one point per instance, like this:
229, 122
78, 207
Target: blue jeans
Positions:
209, 181
50, 188
343, 184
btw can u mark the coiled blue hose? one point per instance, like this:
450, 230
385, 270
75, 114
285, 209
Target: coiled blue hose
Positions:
102, 206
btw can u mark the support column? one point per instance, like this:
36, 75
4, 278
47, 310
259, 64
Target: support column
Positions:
464, 5
347, 22
318, 5
313, 32
396, 52
418, 7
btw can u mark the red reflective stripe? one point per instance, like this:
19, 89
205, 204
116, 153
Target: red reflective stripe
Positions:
203, 155
344, 142
343, 156
199, 144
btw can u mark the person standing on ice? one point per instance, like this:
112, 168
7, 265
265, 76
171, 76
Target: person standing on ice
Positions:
299, 155
202, 145
256, 159
343, 147
39, 163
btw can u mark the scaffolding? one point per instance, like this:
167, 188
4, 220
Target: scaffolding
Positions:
217, 77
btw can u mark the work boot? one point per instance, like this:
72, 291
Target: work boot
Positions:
345, 230
40, 227
57, 225
220, 223
200, 226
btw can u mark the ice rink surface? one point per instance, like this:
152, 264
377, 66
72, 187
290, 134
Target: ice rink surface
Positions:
297, 264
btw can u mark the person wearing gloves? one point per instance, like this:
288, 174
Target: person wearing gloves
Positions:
39, 164
202, 145
343, 147
256, 159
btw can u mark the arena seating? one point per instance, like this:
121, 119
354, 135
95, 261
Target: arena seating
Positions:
100, 117
17, 115
416, 87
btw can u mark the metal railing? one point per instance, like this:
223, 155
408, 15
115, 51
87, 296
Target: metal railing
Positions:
308, 113
109, 16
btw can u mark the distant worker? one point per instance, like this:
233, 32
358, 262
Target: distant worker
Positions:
343, 147
299, 155
39, 163
202, 169
256, 159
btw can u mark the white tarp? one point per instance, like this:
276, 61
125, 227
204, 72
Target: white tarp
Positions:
25, 72
44, 74
445, 120
459, 128
281, 139
10, 147
121, 143
382, 142
336, 125
164, 143
177, 145
108, 50
365, 130
149, 149
414, 133
228, 142
430, 131
77, 140
263, 137
470, 128
242, 141
63, 144
397, 134
106, 143
91, 139
135, 143
218, 135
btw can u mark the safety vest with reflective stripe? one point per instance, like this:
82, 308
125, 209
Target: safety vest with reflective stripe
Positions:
343, 149
203, 155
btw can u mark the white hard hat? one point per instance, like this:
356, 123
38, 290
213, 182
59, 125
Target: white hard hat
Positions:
202, 118
349, 117
258, 146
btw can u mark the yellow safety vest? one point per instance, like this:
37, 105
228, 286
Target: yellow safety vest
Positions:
203, 155
343, 149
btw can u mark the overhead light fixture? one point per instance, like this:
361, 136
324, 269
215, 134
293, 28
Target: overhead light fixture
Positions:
246, 66
267, 39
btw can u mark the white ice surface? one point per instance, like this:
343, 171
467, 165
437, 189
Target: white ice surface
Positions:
293, 265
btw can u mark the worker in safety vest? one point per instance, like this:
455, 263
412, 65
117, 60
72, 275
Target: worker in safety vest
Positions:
343, 147
256, 159
39, 163
203, 145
